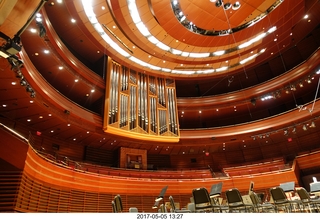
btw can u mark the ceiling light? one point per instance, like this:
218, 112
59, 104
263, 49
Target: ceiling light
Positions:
219, 53
306, 16
73, 20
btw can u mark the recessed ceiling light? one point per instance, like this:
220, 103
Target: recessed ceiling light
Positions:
59, 1
13, 83
31, 101
40, 116
4, 105
28, 120
306, 16
33, 30
92, 90
73, 20
50, 115
36, 54
46, 51
103, 7
60, 67
76, 80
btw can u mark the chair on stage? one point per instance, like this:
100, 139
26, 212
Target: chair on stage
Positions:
202, 201
259, 206
236, 203
118, 203
163, 209
174, 209
114, 209
311, 204
133, 209
215, 192
281, 201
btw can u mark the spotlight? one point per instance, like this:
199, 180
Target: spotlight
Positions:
313, 125
253, 101
293, 88
304, 127
19, 74
29, 89
227, 6
33, 95
42, 29
236, 6
301, 84
218, 3
23, 82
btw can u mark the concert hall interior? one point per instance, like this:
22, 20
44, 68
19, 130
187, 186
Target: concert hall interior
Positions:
152, 105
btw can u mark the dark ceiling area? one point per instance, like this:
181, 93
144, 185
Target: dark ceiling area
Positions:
71, 61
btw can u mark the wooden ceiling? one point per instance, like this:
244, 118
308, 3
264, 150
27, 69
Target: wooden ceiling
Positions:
76, 52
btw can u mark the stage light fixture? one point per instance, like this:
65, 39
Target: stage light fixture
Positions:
227, 6
218, 3
236, 6
23, 82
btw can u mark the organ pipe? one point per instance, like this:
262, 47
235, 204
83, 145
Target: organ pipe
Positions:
140, 103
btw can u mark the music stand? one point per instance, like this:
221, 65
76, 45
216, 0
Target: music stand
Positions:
215, 192
315, 188
162, 193
160, 197
251, 186
287, 187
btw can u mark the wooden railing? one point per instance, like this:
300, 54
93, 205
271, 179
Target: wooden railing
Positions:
258, 168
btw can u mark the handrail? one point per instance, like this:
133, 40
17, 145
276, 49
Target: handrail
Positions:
15, 133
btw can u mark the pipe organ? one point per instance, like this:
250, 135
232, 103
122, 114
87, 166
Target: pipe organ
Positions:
141, 106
